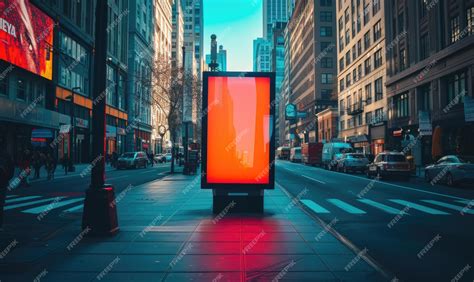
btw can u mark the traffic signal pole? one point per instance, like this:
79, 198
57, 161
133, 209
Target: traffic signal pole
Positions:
100, 214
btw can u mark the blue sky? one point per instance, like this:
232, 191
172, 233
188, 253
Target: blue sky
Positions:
236, 23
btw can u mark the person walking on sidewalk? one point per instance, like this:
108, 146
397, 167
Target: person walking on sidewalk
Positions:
37, 163
51, 166
25, 169
65, 163
7, 169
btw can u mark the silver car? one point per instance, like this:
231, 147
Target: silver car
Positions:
451, 170
132, 160
353, 162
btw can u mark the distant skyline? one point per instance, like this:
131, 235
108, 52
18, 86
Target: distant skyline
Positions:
236, 23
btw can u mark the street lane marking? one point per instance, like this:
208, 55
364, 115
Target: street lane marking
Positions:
310, 178
345, 206
73, 209
383, 207
389, 184
11, 196
29, 203
314, 207
117, 177
148, 171
419, 207
51, 206
449, 206
471, 202
22, 199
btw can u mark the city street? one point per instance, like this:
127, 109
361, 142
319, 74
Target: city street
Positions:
394, 221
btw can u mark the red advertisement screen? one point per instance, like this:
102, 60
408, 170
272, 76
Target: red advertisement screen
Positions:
238, 130
26, 37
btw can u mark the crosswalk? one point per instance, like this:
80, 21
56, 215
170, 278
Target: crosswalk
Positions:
366, 206
37, 205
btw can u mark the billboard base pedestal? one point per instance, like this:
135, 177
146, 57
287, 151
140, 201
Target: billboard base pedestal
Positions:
237, 201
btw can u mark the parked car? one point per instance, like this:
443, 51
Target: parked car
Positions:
311, 153
167, 157
295, 155
283, 153
388, 164
451, 170
329, 159
159, 158
353, 162
132, 160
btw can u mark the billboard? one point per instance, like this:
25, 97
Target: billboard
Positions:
26, 37
238, 130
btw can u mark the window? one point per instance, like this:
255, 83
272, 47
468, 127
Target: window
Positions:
326, 78
354, 53
326, 31
326, 16
455, 30
326, 3
424, 98
341, 85
342, 124
354, 75
348, 37
21, 89
423, 7
341, 24
327, 46
359, 71
368, 94
367, 66
346, 15
348, 58
359, 47
341, 64
401, 24
368, 118
456, 88
470, 20
377, 31
378, 89
379, 115
326, 94
341, 108
376, 6
403, 58
366, 41
3, 79
400, 106
424, 47
341, 43
326, 62
366, 13
378, 59
348, 80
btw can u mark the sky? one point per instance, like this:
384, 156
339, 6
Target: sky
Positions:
236, 23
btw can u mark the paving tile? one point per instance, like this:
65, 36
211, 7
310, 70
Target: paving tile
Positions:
206, 263
163, 237
340, 262
99, 248
80, 263
204, 276
273, 237
158, 248
324, 276
277, 248
143, 263
274, 263
322, 236
132, 276
215, 237
214, 248
359, 276
330, 248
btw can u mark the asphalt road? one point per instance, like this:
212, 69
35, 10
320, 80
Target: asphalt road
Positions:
36, 213
413, 230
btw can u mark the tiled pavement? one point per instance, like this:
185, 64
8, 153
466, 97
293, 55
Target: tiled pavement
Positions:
168, 232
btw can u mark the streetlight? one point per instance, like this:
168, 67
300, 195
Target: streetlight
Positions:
72, 150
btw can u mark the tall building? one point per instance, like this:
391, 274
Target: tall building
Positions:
283, 124
221, 59
177, 34
312, 80
54, 95
430, 61
194, 31
162, 40
277, 65
140, 60
273, 11
261, 55
361, 77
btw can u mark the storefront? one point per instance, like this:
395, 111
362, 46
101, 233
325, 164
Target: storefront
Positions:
360, 143
111, 136
121, 137
377, 133
83, 140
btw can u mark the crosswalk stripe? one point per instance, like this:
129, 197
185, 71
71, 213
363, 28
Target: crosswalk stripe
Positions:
22, 199
383, 207
29, 203
11, 196
345, 206
51, 206
314, 207
449, 206
471, 202
419, 207
73, 209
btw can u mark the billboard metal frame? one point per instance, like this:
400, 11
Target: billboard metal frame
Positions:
272, 104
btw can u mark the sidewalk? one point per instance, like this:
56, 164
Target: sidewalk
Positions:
168, 232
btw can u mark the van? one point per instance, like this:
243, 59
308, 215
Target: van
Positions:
331, 151
295, 155
283, 153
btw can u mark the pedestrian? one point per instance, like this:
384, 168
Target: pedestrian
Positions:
25, 168
37, 164
51, 166
65, 163
114, 159
7, 169
150, 158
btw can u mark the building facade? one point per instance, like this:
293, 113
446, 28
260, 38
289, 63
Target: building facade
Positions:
361, 77
430, 80
312, 81
277, 65
327, 124
177, 37
273, 11
262, 52
44, 105
221, 58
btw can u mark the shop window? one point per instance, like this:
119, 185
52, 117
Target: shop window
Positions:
21, 89
424, 98
400, 106
456, 88
455, 29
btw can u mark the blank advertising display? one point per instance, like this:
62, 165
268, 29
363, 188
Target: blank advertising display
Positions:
238, 130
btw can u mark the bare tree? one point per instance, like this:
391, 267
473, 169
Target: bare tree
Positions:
167, 85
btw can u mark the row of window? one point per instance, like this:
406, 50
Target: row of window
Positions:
357, 72
358, 98
357, 47
358, 120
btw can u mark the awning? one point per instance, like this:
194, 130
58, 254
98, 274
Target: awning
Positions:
359, 139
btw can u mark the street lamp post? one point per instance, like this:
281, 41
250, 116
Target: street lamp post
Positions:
100, 214
72, 150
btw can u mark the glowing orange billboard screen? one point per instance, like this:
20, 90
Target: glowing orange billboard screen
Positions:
26, 37
239, 125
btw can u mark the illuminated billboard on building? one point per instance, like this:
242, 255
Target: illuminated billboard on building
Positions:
238, 130
26, 37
